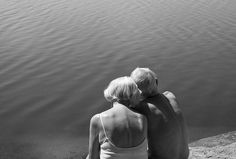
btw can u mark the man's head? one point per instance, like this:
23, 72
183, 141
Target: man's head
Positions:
146, 81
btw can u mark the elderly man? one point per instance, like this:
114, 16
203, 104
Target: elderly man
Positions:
167, 137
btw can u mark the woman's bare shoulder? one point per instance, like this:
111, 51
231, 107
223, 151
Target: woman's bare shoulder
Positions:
95, 121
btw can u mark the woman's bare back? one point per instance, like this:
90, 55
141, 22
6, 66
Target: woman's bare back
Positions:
124, 127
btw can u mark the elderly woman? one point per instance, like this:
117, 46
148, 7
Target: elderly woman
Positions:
119, 132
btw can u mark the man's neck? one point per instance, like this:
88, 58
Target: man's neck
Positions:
151, 95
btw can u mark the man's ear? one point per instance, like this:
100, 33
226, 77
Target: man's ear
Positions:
156, 81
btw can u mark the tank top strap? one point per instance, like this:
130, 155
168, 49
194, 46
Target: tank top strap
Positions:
100, 116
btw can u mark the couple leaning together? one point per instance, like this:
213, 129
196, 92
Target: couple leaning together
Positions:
142, 123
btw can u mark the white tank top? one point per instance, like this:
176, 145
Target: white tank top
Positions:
110, 151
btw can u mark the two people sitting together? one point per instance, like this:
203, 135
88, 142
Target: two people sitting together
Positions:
142, 123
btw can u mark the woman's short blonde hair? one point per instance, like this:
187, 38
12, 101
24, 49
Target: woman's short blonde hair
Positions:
122, 89
146, 80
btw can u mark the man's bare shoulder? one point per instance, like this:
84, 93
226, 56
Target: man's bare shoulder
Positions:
169, 95
173, 101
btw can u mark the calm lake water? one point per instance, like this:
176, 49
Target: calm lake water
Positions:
57, 56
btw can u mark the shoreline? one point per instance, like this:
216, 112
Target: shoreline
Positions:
222, 146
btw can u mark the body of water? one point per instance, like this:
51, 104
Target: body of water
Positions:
57, 56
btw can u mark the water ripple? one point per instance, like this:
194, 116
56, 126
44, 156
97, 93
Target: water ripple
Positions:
57, 56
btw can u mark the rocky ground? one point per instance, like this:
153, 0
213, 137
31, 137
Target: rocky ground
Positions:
217, 147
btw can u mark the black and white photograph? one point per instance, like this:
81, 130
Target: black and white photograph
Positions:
117, 79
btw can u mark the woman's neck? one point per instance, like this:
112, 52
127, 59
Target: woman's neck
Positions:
121, 104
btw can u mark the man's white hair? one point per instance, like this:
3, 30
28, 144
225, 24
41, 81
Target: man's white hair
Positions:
146, 80
122, 89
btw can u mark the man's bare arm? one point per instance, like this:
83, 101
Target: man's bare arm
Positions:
173, 101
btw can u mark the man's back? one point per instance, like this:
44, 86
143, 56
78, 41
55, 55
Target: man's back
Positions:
167, 136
